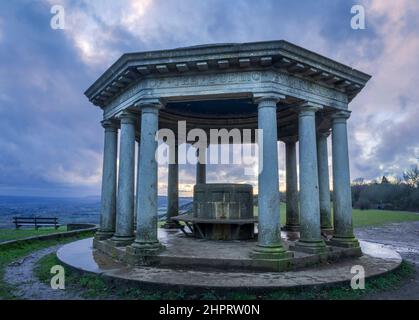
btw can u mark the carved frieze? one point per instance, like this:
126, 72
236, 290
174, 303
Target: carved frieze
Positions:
227, 83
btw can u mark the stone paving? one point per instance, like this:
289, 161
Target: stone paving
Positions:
376, 260
401, 237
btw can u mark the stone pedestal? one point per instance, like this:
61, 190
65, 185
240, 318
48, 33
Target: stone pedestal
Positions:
224, 211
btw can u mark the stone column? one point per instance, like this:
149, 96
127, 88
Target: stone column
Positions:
342, 200
201, 174
293, 213
310, 236
146, 241
124, 233
324, 184
269, 234
172, 189
108, 195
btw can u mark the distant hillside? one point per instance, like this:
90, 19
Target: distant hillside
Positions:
67, 210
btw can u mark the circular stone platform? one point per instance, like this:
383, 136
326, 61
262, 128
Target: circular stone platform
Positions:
80, 255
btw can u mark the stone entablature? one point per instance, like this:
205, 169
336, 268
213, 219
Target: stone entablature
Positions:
131, 69
238, 84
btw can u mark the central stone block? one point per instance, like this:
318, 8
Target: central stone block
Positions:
224, 211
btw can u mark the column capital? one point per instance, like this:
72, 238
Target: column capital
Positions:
127, 116
268, 100
340, 115
308, 108
290, 139
110, 124
149, 104
323, 133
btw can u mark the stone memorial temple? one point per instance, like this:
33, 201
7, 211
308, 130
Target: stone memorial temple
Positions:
291, 94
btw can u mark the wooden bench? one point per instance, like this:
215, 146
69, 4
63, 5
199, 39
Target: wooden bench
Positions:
36, 222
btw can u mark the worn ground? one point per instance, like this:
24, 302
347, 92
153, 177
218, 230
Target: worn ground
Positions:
20, 275
402, 237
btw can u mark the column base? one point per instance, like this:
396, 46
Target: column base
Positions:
327, 231
140, 248
271, 253
103, 235
291, 227
121, 241
345, 242
310, 246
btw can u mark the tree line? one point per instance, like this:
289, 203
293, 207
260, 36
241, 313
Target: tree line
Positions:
401, 193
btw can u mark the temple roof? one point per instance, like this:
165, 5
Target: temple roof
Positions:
281, 55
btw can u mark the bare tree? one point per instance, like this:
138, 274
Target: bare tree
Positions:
358, 181
411, 177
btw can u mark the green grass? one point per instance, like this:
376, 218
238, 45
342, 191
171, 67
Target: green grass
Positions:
12, 252
93, 286
14, 234
364, 218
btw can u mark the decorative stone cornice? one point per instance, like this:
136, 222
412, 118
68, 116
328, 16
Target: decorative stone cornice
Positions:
281, 55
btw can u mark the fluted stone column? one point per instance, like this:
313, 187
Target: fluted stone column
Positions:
146, 241
269, 234
108, 195
124, 233
201, 174
324, 184
172, 189
310, 235
293, 212
342, 200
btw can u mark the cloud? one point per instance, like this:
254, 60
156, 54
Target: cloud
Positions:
383, 129
52, 141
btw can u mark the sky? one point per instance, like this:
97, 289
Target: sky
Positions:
51, 140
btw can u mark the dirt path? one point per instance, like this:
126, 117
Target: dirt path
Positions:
20, 275
404, 238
